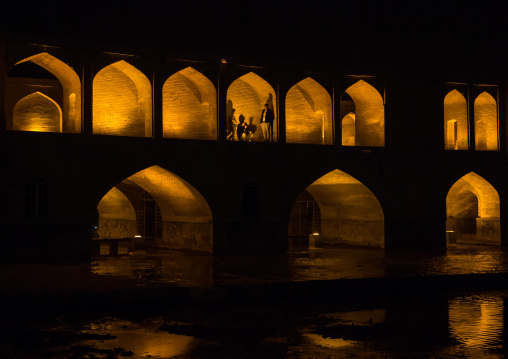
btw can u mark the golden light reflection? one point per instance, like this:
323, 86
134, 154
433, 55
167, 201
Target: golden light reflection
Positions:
328, 342
477, 321
455, 121
189, 106
486, 126
350, 213
309, 114
369, 114
37, 112
122, 101
143, 339
71, 85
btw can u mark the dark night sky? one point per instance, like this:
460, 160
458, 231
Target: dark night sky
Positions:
405, 35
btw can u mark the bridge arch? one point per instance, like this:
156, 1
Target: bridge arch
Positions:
369, 114
349, 211
247, 95
37, 112
67, 95
456, 126
189, 106
473, 211
309, 114
185, 217
122, 101
485, 122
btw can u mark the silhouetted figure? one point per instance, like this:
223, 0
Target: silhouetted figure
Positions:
234, 127
244, 134
267, 118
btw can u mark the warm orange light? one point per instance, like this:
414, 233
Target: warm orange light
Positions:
486, 126
455, 121
248, 95
369, 115
308, 114
350, 213
189, 106
37, 112
71, 86
122, 101
473, 210
186, 218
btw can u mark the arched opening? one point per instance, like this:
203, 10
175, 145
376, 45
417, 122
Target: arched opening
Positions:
305, 218
52, 78
248, 95
347, 212
369, 114
348, 130
473, 211
38, 113
160, 208
122, 101
189, 106
485, 119
309, 114
455, 121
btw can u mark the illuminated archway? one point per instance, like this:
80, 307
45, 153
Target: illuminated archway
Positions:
348, 130
485, 121
68, 100
248, 95
189, 106
473, 211
122, 101
37, 112
369, 115
185, 214
309, 114
455, 121
349, 211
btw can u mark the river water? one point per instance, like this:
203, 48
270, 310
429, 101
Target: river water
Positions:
457, 326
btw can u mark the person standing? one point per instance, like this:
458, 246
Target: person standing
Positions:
234, 126
267, 118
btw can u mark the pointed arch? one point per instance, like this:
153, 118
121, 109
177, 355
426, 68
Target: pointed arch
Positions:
350, 213
456, 127
185, 214
247, 95
473, 210
122, 101
348, 129
486, 123
369, 114
38, 113
70, 103
309, 114
189, 106
117, 217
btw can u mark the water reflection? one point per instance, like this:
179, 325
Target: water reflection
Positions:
140, 339
430, 327
477, 322
198, 269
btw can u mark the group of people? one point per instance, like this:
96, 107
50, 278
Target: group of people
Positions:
241, 131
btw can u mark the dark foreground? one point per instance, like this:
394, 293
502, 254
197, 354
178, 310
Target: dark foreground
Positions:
372, 305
